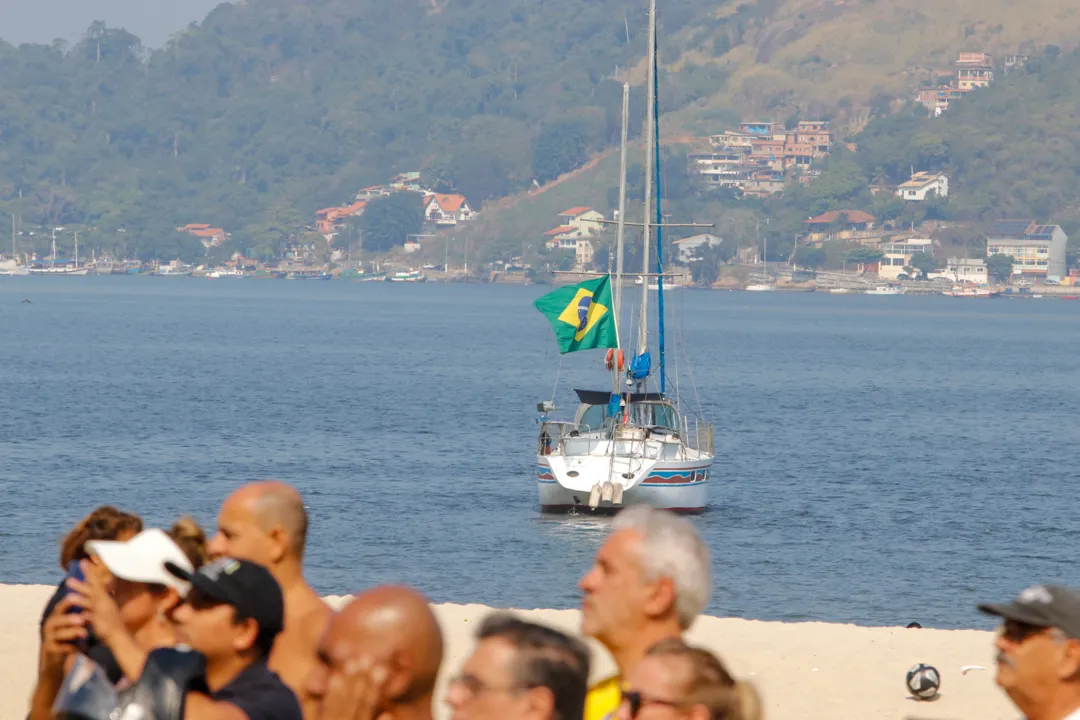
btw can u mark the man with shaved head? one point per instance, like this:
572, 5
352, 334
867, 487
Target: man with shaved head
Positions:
379, 657
266, 523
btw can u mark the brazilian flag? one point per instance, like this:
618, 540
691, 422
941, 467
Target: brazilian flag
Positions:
581, 315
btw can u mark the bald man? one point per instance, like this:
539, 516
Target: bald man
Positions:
379, 658
266, 523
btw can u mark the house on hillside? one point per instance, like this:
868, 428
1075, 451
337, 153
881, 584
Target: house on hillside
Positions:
687, 248
577, 225
815, 133
209, 236
1037, 250
841, 225
974, 70
897, 254
446, 210
370, 193
923, 185
328, 220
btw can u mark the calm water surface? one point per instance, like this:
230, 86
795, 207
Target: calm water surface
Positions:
879, 460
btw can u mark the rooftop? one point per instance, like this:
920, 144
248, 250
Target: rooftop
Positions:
575, 211
921, 179
854, 217
560, 230
1011, 228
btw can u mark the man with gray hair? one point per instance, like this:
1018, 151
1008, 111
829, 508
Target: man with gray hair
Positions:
1038, 651
650, 579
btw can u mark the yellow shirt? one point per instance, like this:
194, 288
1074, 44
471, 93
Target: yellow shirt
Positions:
603, 699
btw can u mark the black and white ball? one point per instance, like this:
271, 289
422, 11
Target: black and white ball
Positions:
923, 681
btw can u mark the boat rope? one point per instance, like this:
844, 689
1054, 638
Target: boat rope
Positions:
558, 372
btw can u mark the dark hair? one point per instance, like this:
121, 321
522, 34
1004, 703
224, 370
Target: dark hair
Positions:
545, 658
710, 684
104, 523
264, 640
191, 539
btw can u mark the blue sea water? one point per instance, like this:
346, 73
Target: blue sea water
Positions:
879, 460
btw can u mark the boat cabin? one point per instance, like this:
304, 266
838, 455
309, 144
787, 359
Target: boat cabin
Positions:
647, 410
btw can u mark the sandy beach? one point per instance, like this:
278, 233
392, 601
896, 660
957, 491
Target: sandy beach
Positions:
806, 671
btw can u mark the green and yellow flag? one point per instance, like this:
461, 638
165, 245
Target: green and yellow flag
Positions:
581, 315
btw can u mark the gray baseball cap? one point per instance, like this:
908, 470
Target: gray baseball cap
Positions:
1043, 606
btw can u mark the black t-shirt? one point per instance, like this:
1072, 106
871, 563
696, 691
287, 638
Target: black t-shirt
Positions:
93, 649
260, 694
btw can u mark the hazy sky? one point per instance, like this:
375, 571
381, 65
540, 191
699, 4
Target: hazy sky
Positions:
44, 20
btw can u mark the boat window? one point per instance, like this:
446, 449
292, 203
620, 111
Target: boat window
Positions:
665, 416
593, 418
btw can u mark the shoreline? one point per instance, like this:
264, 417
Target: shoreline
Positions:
804, 670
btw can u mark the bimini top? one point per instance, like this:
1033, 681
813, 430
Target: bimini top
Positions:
602, 397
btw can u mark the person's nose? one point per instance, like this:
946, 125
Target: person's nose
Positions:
217, 545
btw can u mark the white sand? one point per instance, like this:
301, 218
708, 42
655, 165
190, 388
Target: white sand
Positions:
805, 671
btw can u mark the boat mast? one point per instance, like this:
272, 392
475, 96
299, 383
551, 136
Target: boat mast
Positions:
617, 291
655, 114
643, 327
76, 249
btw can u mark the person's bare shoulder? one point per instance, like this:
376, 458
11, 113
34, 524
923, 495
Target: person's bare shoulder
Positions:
307, 618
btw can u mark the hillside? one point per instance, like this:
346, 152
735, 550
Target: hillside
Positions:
270, 109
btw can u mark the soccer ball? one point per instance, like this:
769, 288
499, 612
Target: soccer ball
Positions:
923, 681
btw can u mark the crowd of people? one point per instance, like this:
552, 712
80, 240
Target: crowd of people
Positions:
185, 627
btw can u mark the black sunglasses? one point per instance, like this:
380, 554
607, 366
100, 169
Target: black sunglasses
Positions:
638, 700
1018, 631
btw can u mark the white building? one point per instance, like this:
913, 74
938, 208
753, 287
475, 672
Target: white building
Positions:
967, 270
897, 255
446, 210
1037, 250
922, 185
687, 247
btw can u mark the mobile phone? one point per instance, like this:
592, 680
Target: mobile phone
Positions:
74, 570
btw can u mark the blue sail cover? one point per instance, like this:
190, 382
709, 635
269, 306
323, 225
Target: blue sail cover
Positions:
640, 366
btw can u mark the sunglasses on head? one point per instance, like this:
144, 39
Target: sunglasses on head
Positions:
199, 601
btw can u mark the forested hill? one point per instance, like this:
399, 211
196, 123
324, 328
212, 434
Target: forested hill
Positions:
274, 108
270, 109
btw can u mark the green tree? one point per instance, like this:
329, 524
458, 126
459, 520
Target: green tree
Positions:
810, 257
863, 256
923, 262
560, 147
388, 221
1000, 267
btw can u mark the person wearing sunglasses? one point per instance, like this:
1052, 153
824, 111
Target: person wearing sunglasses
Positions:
233, 613
649, 581
521, 671
675, 681
1038, 651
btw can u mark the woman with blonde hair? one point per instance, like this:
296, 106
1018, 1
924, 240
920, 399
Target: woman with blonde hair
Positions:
676, 681
127, 600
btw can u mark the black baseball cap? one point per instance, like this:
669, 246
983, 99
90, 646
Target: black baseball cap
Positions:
1043, 606
247, 586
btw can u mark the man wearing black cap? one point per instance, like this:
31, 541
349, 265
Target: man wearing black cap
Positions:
233, 612
1039, 652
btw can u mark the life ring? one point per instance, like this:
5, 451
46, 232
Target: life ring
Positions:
609, 360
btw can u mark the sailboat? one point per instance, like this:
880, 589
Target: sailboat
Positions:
631, 443
53, 269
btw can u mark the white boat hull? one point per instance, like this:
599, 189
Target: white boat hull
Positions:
761, 288
679, 486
